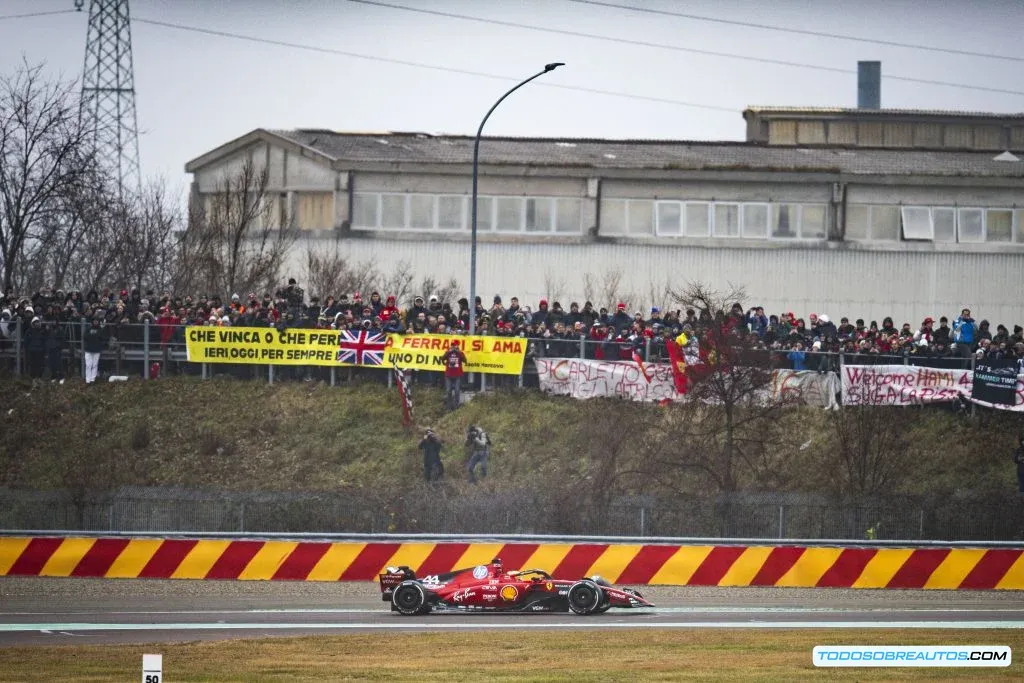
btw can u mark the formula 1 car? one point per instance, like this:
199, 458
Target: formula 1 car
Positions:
489, 588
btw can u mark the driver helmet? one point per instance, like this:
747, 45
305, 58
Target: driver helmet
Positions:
496, 562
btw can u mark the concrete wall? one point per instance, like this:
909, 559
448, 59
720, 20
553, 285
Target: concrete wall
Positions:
857, 283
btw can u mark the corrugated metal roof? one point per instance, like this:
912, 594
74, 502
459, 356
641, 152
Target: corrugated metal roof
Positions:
650, 154
853, 111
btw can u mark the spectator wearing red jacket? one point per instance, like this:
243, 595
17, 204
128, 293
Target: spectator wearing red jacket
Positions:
167, 322
454, 362
389, 309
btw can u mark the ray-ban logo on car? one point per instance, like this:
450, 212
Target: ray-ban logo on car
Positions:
480, 572
463, 595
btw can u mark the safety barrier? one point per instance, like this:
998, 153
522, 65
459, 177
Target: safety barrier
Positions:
731, 564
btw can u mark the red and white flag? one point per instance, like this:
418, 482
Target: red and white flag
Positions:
640, 363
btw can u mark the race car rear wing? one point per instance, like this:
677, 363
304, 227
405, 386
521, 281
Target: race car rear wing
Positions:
392, 578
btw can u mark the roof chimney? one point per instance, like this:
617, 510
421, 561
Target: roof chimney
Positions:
869, 85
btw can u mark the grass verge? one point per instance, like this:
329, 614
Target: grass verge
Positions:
650, 654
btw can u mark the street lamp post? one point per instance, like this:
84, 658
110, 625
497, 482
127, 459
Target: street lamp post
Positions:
476, 168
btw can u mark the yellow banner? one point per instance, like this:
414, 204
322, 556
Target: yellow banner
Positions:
493, 355
268, 346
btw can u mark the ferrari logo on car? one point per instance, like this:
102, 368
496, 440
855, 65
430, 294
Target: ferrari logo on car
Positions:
549, 586
509, 593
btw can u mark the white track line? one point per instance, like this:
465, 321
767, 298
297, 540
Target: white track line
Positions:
429, 625
638, 610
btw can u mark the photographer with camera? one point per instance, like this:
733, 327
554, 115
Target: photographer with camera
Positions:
431, 446
478, 447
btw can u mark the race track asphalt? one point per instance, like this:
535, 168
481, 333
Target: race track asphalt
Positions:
35, 611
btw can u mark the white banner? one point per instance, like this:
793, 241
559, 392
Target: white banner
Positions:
906, 385
593, 378
902, 385
806, 387
581, 378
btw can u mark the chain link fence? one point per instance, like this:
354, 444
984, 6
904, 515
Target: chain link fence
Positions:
437, 510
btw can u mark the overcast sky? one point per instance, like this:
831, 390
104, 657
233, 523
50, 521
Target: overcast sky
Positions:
197, 91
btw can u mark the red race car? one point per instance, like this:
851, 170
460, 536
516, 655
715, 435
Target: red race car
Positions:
490, 588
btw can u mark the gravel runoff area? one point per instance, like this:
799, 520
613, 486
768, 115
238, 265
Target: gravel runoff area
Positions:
17, 593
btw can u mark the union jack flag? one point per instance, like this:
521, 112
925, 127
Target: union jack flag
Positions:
361, 348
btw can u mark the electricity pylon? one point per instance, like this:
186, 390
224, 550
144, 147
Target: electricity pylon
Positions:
108, 92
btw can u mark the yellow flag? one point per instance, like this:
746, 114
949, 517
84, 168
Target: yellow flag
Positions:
682, 339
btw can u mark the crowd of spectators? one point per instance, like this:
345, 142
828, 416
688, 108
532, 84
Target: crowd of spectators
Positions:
607, 333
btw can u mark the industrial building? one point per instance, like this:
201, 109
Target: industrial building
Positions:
860, 212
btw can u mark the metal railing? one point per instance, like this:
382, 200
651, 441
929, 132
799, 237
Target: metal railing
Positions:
134, 350
442, 511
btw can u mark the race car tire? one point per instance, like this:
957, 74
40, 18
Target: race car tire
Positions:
585, 597
602, 609
410, 599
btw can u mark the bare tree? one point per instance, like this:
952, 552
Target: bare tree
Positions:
728, 429
329, 273
147, 249
870, 451
444, 293
398, 282
554, 285
43, 157
659, 294
589, 287
237, 238
611, 285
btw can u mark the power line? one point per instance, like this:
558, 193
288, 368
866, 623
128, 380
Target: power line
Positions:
38, 14
422, 65
803, 32
679, 48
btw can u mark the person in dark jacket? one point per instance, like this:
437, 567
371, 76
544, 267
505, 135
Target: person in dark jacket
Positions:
35, 347
94, 342
430, 444
55, 338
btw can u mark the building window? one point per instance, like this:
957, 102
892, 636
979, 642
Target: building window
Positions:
812, 222
510, 214
755, 221
538, 215
669, 218
786, 221
421, 211
873, 222
315, 210
941, 224
917, 223
484, 215
450, 213
641, 217
999, 225
885, 223
698, 219
613, 216
858, 220
1020, 225
568, 215
392, 211
944, 224
727, 220
972, 225
366, 210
